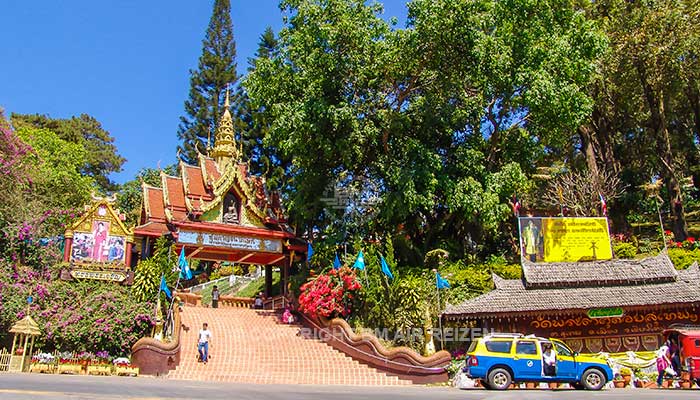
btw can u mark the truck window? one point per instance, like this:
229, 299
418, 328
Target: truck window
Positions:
472, 347
526, 347
562, 350
499, 346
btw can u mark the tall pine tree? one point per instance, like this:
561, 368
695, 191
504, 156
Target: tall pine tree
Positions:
216, 70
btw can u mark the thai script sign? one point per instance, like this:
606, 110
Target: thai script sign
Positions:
554, 239
99, 275
230, 241
605, 312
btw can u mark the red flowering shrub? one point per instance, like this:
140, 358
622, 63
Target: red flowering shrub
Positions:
330, 294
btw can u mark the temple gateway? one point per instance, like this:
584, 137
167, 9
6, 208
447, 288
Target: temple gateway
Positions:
217, 211
610, 306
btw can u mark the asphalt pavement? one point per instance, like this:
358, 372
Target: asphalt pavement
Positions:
64, 387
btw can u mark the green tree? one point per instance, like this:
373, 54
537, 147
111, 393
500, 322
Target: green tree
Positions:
215, 72
645, 120
442, 121
57, 180
101, 155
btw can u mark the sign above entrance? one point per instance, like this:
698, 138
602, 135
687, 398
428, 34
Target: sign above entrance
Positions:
229, 241
99, 275
605, 312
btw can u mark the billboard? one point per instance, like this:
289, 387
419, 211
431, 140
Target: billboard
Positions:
561, 239
98, 238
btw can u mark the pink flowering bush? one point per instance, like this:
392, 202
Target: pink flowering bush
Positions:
330, 294
87, 316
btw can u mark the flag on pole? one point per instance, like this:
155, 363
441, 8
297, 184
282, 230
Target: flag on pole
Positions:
164, 287
309, 252
360, 262
441, 282
385, 267
603, 205
336, 262
185, 271
516, 205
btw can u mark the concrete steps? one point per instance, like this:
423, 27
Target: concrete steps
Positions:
251, 346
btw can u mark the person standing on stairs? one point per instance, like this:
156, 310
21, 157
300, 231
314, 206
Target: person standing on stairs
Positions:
215, 297
203, 345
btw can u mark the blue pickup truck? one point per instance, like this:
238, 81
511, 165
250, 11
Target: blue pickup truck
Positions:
501, 359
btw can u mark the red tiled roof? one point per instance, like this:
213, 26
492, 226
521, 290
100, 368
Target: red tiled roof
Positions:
244, 169
175, 192
195, 182
156, 208
151, 229
212, 170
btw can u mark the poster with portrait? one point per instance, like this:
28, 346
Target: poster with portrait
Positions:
564, 239
98, 241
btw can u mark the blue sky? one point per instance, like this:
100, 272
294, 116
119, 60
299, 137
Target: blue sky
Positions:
124, 62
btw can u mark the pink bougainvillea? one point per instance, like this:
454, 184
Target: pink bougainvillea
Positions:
330, 294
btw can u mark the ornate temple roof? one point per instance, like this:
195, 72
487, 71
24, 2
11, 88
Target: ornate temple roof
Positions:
197, 195
518, 297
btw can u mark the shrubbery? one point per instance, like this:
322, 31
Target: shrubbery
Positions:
624, 250
331, 294
73, 315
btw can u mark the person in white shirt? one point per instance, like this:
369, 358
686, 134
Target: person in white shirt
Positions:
549, 360
203, 345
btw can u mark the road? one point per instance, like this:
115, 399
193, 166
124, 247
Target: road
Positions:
67, 387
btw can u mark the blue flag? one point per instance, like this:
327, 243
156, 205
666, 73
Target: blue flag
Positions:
441, 282
309, 252
336, 262
385, 267
185, 271
360, 262
164, 287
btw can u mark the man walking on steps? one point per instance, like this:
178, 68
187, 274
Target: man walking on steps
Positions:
203, 346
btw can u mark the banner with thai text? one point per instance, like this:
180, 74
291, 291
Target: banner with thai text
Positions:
557, 239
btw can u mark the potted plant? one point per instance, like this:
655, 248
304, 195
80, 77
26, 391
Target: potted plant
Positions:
619, 381
122, 366
626, 374
100, 364
43, 362
68, 364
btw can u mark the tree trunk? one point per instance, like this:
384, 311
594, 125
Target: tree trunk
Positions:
655, 101
586, 133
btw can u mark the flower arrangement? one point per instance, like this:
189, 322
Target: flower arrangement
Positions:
101, 357
121, 362
43, 358
330, 294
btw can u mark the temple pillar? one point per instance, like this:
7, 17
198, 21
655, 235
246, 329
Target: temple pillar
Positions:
127, 259
144, 248
67, 248
268, 280
284, 277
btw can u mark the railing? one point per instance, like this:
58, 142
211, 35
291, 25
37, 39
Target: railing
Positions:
5, 360
193, 299
275, 303
238, 281
403, 362
154, 357
66, 363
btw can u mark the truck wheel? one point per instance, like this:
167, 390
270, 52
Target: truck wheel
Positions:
499, 379
593, 379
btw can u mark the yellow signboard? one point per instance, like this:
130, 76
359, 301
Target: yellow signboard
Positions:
553, 239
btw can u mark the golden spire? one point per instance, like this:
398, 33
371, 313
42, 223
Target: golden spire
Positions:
225, 149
